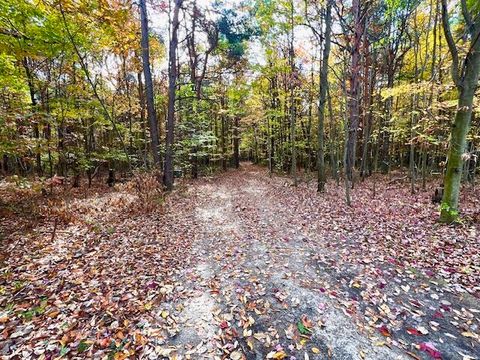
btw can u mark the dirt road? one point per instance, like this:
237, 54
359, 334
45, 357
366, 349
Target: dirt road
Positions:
258, 291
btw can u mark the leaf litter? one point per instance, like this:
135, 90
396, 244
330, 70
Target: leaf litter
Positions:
241, 266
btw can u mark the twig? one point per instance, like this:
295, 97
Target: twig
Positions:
54, 229
397, 179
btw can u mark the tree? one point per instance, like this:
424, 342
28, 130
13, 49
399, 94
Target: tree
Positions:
323, 97
151, 113
353, 93
465, 78
172, 83
293, 100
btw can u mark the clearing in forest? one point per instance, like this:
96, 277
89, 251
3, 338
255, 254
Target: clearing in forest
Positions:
239, 266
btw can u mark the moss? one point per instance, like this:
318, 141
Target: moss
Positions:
448, 214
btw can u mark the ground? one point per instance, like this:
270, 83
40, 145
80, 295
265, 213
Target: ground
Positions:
240, 266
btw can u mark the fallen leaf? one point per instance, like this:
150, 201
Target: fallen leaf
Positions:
384, 330
430, 349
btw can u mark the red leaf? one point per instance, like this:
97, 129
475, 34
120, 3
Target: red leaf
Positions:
223, 325
384, 330
438, 315
430, 349
413, 331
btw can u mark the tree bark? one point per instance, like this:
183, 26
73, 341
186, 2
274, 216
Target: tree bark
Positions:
152, 116
453, 176
172, 80
223, 120
33, 101
323, 97
141, 99
466, 80
236, 143
353, 93
292, 100
333, 140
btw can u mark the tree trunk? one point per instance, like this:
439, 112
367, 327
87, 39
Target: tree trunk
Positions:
323, 97
353, 94
172, 80
292, 100
223, 120
365, 166
413, 123
152, 116
385, 129
236, 144
333, 140
33, 101
449, 209
466, 79
141, 99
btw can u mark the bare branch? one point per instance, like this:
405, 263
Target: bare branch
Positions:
451, 43
13, 33
466, 15
81, 59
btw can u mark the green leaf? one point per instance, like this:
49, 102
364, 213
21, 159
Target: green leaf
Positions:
64, 351
82, 346
303, 329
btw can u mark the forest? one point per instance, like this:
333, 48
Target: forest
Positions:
239, 179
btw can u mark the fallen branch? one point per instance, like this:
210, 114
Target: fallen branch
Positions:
397, 179
54, 230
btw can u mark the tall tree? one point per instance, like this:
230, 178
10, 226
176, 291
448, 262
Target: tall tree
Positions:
465, 78
293, 100
172, 82
323, 97
353, 91
151, 113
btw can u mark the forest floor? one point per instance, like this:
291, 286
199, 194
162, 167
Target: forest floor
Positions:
238, 266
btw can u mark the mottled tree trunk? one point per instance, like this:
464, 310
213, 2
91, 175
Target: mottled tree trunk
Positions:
466, 78
453, 176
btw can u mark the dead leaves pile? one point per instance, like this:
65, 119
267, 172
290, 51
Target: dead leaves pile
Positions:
90, 290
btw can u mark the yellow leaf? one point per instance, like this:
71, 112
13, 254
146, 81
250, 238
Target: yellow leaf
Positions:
236, 355
120, 356
277, 355
315, 350
148, 306
52, 314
